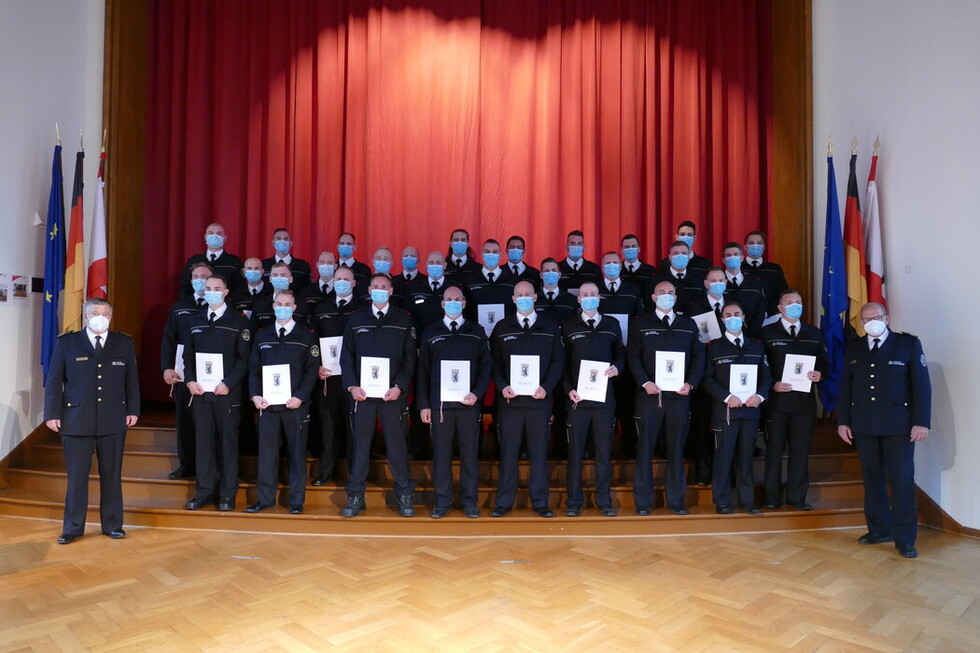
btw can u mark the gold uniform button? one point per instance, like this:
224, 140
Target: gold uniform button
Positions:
100, 365
872, 399
99, 376
69, 405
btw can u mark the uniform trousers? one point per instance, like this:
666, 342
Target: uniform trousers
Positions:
186, 454
78, 462
674, 416
889, 458
794, 432
334, 409
290, 424
516, 423
734, 442
700, 441
465, 424
601, 420
364, 420
217, 447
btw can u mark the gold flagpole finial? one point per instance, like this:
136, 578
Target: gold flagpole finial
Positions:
854, 146
104, 134
830, 146
877, 143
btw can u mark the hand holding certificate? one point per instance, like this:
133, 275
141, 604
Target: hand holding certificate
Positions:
795, 370
375, 376
276, 384
454, 380
708, 328
670, 370
525, 374
743, 381
330, 354
210, 370
592, 380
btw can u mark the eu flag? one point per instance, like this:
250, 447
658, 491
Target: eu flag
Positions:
835, 300
54, 261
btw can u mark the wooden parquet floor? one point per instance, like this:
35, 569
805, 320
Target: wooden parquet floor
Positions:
174, 590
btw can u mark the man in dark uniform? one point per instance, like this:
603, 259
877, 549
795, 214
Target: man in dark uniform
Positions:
525, 334
410, 272
333, 401
698, 265
663, 333
283, 344
688, 283
575, 268
792, 413
172, 359
316, 292
216, 335
590, 338
243, 299
735, 419
452, 340
516, 264
215, 255
635, 270
282, 242
263, 313
554, 303
459, 259
91, 395
884, 408
423, 298
770, 275
345, 253
745, 291
380, 331
490, 290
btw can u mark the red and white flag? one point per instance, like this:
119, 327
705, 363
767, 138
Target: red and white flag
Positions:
874, 254
98, 267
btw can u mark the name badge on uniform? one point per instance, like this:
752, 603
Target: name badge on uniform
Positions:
364, 330
81, 358
123, 363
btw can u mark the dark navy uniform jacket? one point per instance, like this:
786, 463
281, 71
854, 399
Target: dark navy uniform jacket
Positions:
459, 273
649, 334
299, 268
312, 294
264, 314
181, 309
243, 300
605, 344
424, 305
698, 266
587, 272
689, 290
298, 349
544, 341
886, 393
808, 342
469, 343
749, 294
771, 277
625, 301
231, 337
92, 395
721, 355
330, 320
479, 292
227, 265
393, 338
559, 308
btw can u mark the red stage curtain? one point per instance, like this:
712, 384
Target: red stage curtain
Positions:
400, 120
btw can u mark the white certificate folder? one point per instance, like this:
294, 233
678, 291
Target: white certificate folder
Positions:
330, 353
795, 369
669, 373
375, 376
743, 380
276, 384
708, 328
454, 380
592, 380
210, 370
525, 374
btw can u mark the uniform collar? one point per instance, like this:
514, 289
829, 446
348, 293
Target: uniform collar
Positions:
91, 337
532, 318
448, 321
597, 317
881, 339
217, 253
287, 259
787, 324
218, 312
731, 337
288, 326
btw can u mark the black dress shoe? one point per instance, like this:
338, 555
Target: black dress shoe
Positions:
225, 504
180, 472
544, 511
67, 538
355, 506
723, 509
643, 512
499, 512
607, 511
320, 481
405, 507
679, 510
573, 511
259, 507
907, 550
874, 538
771, 506
801, 506
752, 509
296, 509
197, 503
471, 512
437, 513
115, 534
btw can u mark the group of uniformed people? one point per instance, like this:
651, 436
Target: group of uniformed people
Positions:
683, 346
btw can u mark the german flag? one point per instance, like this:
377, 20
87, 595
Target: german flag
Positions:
857, 283
71, 316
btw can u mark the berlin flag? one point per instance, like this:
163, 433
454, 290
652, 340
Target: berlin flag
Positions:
872, 239
857, 285
98, 261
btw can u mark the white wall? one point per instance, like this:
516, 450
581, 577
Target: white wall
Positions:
910, 71
52, 72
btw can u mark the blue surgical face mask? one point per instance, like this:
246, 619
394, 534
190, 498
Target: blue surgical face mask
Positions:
326, 270
435, 271
215, 241
379, 296
680, 261
459, 247
198, 284
631, 253
733, 324
550, 278
214, 297
342, 287
345, 251
279, 283
410, 263
687, 240
717, 288
612, 270
382, 267
252, 276
282, 247
666, 302
454, 308
575, 251
733, 262
491, 259
524, 304
755, 250
793, 311
590, 303
283, 313
515, 255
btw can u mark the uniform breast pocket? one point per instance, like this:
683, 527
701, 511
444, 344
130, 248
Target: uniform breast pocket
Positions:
73, 402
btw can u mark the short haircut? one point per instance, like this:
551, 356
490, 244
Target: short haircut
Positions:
491, 241
789, 291
219, 277
347, 233
575, 232
607, 253
461, 230
286, 293
199, 264
679, 243
378, 275
278, 229
668, 281
756, 232
515, 237
627, 237
733, 245
714, 268
548, 259
688, 223
732, 303
92, 303
280, 264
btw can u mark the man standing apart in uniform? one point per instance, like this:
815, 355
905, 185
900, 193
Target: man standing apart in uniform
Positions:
884, 408
91, 395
